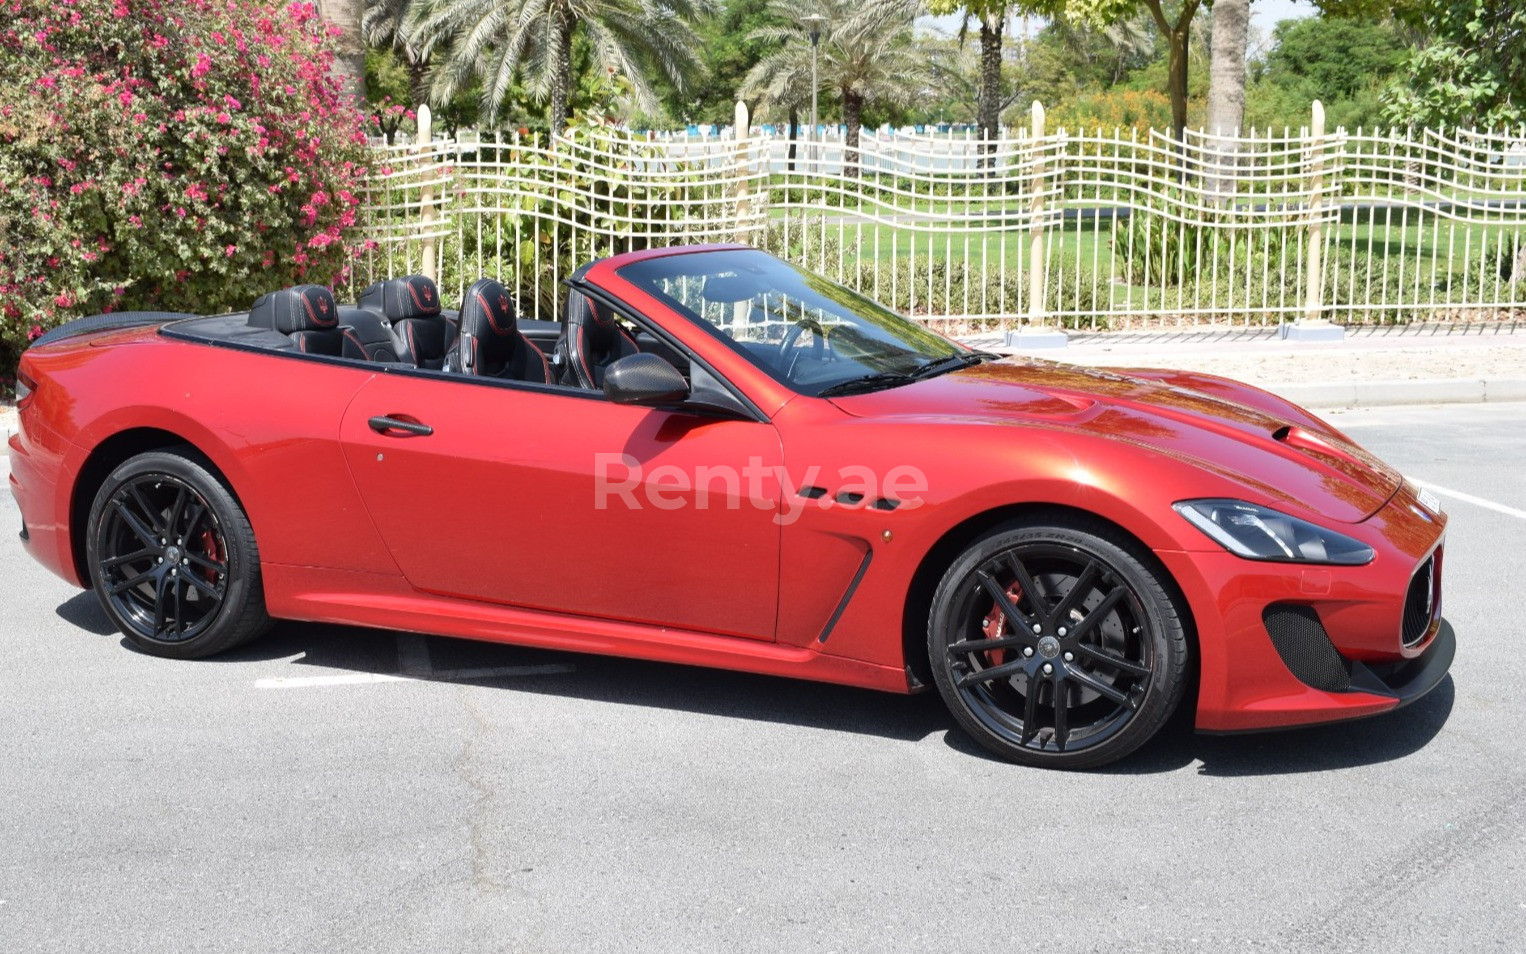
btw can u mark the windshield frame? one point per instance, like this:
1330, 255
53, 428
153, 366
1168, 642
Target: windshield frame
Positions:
915, 340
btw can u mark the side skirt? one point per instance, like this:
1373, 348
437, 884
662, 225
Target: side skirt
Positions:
385, 602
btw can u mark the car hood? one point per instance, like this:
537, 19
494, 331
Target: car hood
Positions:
1232, 430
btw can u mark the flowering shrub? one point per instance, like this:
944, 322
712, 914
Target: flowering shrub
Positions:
176, 154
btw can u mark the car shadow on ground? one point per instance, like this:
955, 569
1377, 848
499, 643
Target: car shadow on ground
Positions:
307, 647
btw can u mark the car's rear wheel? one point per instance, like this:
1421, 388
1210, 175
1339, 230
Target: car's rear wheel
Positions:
173, 559
1055, 643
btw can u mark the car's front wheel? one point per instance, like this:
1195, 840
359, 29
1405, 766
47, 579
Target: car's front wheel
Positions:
173, 559
1055, 643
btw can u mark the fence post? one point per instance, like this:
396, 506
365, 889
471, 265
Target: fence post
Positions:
1311, 325
1033, 335
424, 142
743, 206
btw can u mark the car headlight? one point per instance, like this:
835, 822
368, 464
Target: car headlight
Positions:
1261, 533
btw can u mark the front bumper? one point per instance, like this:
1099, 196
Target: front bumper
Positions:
1284, 644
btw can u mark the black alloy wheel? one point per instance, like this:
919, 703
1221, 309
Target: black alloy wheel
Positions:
1055, 645
172, 557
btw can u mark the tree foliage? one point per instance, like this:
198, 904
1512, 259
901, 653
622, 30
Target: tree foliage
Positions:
178, 154
502, 43
1345, 63
866, 56
1472, 72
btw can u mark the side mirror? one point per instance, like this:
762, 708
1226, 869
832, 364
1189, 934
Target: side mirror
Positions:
644, 379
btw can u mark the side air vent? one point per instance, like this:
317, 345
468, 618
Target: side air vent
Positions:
1419, 601
1305, 647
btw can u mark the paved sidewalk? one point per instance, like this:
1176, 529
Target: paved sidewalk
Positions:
1427, 364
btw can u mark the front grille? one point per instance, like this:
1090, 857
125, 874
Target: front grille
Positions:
1300, 639
1419, 601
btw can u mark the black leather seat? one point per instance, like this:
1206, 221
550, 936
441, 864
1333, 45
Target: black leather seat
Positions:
304, 313
423, 337
367, 335
491, 344
593, 342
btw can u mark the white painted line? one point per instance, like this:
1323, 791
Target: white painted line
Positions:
1469, 498
348, 679
413, 655
445, 675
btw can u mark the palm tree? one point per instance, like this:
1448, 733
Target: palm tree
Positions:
350, 57
991, 16
382, 25
499, 39
1226, 85
866, 56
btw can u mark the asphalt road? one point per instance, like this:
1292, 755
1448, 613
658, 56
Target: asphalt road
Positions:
297, 797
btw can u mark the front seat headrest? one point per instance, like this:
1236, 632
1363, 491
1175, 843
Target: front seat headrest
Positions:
397, 299
295, 309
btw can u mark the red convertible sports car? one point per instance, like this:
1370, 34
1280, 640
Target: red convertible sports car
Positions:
719, 459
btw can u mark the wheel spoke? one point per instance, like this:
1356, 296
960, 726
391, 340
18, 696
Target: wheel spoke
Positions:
1101, 688
149, 511
135, 525
138, 580
116, 561
214, 592
995, 672
1023, 638
993, 589
1112, 599
172, 524
1108, 659
1061, 713
216, 567
1027, 585
1031, 711
1077, 592
195, 511
159, 621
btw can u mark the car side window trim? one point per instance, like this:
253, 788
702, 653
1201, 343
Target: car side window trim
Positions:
633, 315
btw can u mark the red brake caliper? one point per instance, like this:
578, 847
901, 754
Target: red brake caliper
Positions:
994, 626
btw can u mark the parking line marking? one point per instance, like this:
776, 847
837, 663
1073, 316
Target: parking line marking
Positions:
1469, 498
348, 679
444, 675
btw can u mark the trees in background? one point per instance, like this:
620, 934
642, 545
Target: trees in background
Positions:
179, 154
501, 42
1471, 70
866, 55
1344, 63
990, 17
343, 18
1226, 67
1092, 60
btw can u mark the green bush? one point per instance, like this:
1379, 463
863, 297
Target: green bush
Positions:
177, 154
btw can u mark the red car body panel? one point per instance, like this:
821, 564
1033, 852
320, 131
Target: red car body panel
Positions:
488, 528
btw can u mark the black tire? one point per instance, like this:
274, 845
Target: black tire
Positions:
173, 559
1103, 634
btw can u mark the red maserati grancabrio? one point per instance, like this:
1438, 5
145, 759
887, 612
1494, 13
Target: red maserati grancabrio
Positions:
720, 459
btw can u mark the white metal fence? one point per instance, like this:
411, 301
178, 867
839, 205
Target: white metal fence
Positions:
1084, 229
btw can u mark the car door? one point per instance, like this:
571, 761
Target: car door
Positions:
557, 499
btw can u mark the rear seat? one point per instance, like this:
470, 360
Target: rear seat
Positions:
306, 314
421, 335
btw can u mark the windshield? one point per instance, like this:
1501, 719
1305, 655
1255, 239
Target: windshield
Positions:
807, 332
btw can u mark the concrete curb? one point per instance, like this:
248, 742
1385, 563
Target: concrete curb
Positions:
1392, 393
